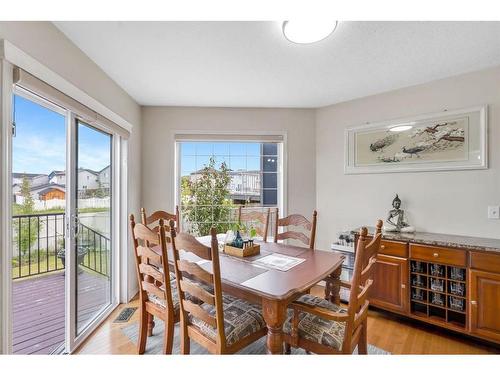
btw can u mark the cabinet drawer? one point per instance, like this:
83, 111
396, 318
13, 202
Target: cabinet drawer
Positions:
439, 255
397, 249
485, 262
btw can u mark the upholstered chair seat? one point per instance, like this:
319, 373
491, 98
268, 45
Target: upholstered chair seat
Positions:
241, 319
175, 293
315, 328
173, 289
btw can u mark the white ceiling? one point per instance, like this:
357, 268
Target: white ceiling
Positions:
251, 64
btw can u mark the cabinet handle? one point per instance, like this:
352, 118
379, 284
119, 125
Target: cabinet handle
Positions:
435, 255
382, 247
403, 286
473, 303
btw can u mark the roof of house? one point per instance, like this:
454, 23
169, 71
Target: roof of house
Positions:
27, 175
49, 186
102, 170
88, 170
57, 173
63, 173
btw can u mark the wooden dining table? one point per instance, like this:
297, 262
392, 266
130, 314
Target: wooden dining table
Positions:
273, 289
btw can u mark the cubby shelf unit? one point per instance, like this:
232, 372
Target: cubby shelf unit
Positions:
438, 292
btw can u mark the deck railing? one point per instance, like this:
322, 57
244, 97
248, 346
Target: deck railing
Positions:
227, 216
39, 246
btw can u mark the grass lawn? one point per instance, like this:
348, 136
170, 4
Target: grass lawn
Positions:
44, 265
99, 263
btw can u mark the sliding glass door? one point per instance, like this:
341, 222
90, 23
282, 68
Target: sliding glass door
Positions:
38, 226
93, 217
62, 226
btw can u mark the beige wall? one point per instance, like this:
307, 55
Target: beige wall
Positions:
160, 124
452, 202
45, 43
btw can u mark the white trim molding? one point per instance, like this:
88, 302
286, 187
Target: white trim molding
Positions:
277, 136
6, 70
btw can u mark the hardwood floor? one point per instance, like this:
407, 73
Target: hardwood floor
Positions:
387, 331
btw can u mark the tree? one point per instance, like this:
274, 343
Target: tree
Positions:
205, 199
27, 228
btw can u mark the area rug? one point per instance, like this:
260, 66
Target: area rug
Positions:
154, 344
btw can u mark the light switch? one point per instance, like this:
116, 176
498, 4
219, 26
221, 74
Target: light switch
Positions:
493, 212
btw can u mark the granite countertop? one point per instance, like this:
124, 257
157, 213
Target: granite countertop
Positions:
445, 240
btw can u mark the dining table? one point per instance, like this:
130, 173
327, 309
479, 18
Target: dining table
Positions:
274, 289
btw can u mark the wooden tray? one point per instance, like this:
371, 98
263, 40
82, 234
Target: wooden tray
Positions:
246, 252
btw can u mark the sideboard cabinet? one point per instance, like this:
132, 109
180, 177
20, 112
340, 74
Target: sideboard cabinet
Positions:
449, 281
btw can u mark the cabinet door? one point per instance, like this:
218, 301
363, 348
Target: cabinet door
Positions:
485, 304
389, 290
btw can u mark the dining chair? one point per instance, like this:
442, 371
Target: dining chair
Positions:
157, 289
296, 220
222, 324
247, 215
157, 215
319, 326
152, 222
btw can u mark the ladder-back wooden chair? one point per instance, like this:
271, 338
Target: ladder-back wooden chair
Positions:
319, 326
246, 215
297, 221
151, 221
157, 289
222, 324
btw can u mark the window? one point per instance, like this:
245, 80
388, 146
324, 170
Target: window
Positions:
217, 177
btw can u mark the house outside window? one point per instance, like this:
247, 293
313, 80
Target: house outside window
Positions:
217, 177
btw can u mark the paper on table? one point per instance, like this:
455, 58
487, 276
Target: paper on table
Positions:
279, 262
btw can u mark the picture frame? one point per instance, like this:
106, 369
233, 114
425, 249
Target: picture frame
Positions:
442, 141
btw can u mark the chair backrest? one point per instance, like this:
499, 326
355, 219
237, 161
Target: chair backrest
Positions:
190, 274
150, 247
297, 221
246, 215
151, 221
362, 280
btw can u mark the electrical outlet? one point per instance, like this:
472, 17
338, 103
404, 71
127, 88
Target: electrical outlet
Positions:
493, 212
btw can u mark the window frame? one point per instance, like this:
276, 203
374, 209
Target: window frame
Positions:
279, 137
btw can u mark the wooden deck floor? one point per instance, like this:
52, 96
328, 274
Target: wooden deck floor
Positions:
39, 308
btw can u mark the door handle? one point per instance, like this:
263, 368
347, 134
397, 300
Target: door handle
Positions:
474, 303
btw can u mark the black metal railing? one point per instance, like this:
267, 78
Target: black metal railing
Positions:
197, 219
39, 246
93, 250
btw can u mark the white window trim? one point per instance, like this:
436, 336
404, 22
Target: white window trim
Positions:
11, 56
232, 136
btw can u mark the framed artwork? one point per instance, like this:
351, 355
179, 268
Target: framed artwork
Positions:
441, 141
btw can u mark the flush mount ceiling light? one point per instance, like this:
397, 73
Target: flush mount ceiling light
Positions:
305, 32
401, 128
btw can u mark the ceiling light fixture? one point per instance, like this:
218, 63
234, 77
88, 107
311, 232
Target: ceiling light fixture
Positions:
305, 32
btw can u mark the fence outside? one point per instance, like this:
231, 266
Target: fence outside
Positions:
39, 246
41, 205
228, 219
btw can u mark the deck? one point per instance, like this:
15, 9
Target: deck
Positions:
39, 308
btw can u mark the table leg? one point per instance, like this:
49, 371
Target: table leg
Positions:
274, 314
332, 288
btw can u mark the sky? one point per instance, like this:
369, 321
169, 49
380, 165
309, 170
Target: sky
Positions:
237, 155
40, 142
